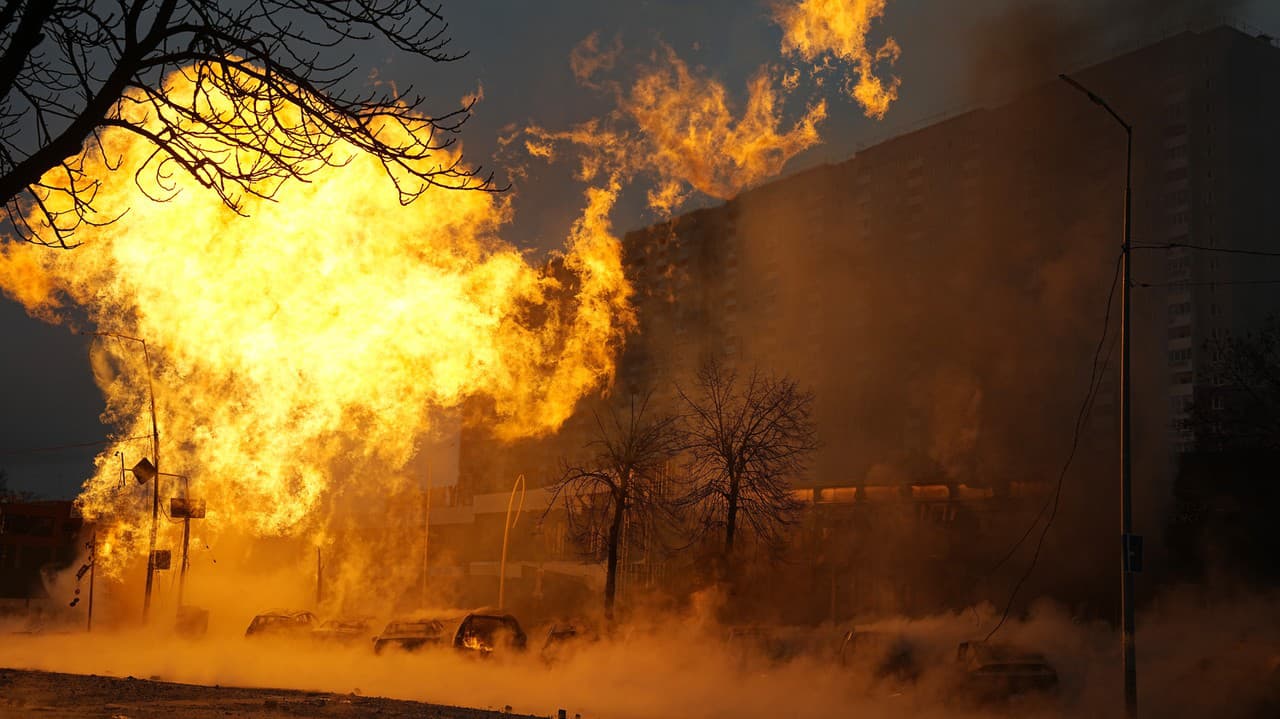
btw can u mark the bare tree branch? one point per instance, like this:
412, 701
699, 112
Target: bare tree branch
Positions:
271, 79
621, 484
1243, 410
746, 441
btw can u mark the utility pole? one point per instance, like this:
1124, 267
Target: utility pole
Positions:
426, 536
319, 578
155, 458
506, 534
186, 540
93, 564
1130, 544
155, 487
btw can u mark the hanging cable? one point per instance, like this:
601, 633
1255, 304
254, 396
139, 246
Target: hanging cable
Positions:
1097, 372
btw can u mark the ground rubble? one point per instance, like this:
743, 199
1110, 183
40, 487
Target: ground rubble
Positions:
57, 696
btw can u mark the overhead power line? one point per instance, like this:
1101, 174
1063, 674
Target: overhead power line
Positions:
64, 447
1225, 283
1206, 248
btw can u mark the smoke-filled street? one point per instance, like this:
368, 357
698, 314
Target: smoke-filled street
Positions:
767, 358
684, 664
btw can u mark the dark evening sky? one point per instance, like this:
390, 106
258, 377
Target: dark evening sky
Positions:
954, 55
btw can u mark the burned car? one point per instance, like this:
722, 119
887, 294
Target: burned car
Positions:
996, 672
281, 623
345, 630
413, 634
487, 631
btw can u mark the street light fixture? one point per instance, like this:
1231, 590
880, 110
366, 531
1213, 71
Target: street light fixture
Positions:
1131, 545
185, 507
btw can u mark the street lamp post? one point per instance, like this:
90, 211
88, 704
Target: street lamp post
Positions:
1130, 545
144, 471
155, 456
506, 533
191, 509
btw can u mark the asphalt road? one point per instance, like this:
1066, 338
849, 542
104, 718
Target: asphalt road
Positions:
58, 696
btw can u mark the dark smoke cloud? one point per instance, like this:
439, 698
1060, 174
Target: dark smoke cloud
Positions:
1027, 43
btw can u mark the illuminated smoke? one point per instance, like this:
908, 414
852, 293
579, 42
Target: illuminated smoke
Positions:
300, 352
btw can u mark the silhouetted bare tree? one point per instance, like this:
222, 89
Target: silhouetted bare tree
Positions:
1241, 407
7, 495
747, 439
268, 82
621, 484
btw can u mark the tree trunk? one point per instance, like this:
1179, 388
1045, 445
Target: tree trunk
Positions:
731, 519
611, 564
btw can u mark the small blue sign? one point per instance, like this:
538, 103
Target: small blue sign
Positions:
1132, 552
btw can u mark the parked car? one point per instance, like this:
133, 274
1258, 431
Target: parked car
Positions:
487, 631
413, 634
887, 655
345, 630
996, 672
563, 638
775, 644
281, 623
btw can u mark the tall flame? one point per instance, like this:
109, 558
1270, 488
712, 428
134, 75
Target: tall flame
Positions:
679, 126
694, 135
682, 129
816, 28
299, 351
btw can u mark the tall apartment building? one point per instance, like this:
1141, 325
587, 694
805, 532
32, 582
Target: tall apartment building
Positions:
1214, 187
943, 291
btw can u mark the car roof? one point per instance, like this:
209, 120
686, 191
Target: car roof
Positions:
423, 620
341, 621
286, 613
988, 652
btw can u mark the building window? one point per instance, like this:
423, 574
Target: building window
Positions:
1179, 356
